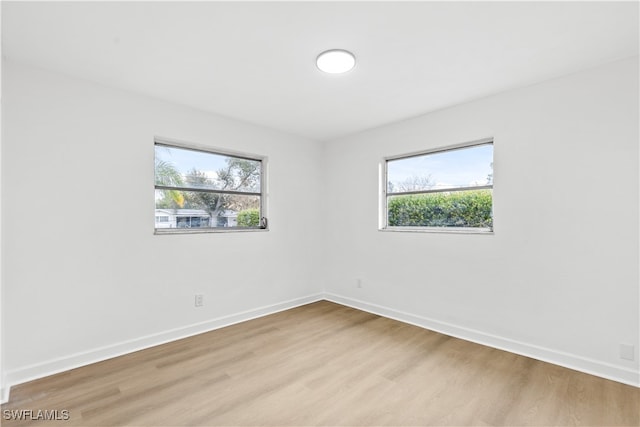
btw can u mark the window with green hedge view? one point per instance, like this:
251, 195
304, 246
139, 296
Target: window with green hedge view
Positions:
447, 189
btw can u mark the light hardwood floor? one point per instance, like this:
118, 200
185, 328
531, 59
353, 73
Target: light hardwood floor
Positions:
330, 365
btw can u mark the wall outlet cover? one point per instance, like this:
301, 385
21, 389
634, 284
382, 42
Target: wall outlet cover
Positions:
627, 352
199, 301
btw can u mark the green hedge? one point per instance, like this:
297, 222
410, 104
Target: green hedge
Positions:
249, 218
457, 209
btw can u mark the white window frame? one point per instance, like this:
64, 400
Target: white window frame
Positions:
383, 201
168, 142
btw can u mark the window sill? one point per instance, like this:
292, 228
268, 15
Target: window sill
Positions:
440, 230
161, 231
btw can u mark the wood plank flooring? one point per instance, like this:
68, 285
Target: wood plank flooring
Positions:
324, 364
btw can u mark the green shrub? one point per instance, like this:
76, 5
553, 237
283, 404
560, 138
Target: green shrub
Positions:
456, 209
249, 218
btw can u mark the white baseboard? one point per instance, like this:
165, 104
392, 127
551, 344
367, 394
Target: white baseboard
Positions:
73, 361
571, 361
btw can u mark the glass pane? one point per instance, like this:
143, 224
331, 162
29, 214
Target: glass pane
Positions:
471, 208
465, 167
199, 209
178, 167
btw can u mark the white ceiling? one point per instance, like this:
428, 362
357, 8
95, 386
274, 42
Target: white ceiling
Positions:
256, 61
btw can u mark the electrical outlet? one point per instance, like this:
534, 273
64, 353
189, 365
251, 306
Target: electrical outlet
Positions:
199, 300
627, 352
358, 283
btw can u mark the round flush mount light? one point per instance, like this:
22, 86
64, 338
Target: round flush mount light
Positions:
336, 61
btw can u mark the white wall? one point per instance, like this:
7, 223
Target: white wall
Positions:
4, 393
559, 279
85, 276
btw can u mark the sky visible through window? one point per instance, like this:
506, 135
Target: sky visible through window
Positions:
464, 167
186, 160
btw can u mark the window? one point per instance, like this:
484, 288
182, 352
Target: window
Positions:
200, 190
442, 190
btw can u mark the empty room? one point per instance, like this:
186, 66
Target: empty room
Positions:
320, 213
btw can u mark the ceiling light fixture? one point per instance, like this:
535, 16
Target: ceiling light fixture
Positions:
336, 61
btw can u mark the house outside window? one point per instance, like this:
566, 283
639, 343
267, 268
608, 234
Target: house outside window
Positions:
204, 190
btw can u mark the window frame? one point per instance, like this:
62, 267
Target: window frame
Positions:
384, 195
262, 194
